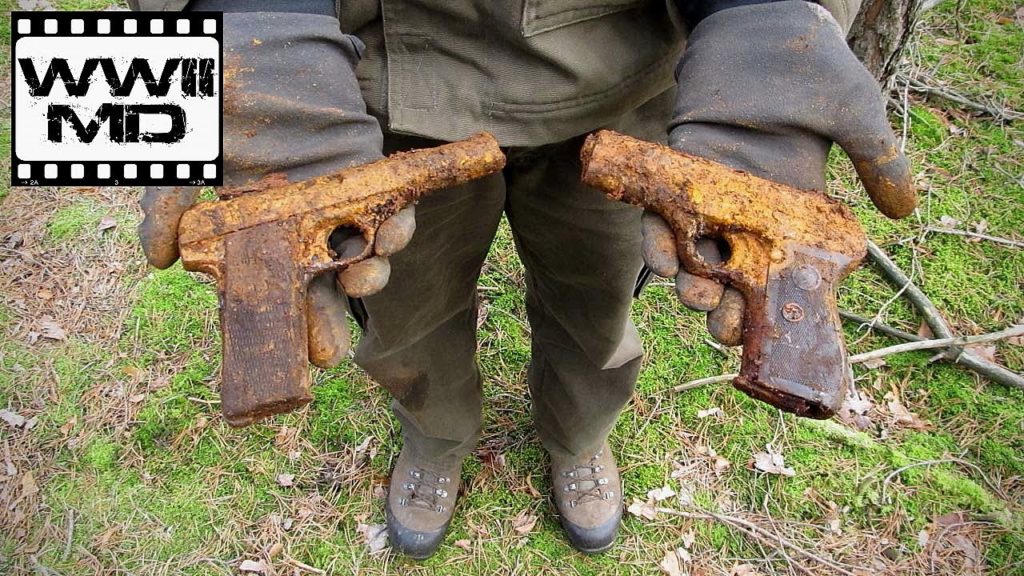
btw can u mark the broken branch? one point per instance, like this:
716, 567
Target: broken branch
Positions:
764, 536
918, 86
950, 343
996, 239
938, 343
933, 318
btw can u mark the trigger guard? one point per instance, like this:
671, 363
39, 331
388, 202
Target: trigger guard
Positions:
368, 233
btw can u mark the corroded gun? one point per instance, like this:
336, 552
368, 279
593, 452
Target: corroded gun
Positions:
264, 247
788, 251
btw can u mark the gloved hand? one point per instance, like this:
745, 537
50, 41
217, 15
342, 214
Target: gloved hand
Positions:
767, 89
292, 106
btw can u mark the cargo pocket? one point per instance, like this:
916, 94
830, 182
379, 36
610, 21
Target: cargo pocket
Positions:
545, 15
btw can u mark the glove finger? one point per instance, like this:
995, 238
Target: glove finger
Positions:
395, 232
659, 245
158, 231
725, 322
329, 337
697, 292
365, 278
868, 140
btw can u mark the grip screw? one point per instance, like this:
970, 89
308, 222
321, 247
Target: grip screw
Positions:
806, 277
792, 312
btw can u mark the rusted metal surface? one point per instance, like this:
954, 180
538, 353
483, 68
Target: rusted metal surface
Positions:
264, 247
789, 250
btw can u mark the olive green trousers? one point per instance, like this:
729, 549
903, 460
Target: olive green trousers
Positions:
582, 257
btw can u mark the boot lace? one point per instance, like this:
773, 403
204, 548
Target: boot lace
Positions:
426, 490
587, 484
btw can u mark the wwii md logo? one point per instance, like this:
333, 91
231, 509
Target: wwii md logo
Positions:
116, 99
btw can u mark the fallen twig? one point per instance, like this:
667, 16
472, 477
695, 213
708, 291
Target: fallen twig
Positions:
996, 239
955, 342
934, 320
938, 343
879, 326
302, 565
764, 536
918, 86
70, 537
703, 381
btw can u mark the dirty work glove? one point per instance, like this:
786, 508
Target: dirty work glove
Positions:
292, 106
767, 89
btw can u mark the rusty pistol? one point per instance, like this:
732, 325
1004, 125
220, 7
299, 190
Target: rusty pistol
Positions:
789, 249
264, 247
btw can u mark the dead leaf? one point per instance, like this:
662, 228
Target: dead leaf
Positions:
743, 570
981, 227
670, 564
14, 240
44, 294
685, 496
642, 509
28, 485
275, 549
524, 522
106, 223
466, 545
721, 465
858, 405
51, 330
253, 566
950, 519
286, 480
873, 363
988, 352
13, 418
925, 331
772, 462
660, 494
922, 538
531, 488
903, 417
282, 437
362, 446
136, 398
492, 458
375, 536
689, 538
715, 411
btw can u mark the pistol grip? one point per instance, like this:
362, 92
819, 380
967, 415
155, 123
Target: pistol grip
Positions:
263, 323
794, 357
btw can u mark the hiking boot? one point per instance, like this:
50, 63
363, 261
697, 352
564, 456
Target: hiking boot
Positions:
588, 495
421, 501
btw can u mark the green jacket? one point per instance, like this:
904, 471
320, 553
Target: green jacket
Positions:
531, 72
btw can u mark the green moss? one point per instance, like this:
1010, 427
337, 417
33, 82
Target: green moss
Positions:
174, 312
169, 411
101, 455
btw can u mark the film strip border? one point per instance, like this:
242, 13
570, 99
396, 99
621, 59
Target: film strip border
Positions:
143, 173
116, 23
